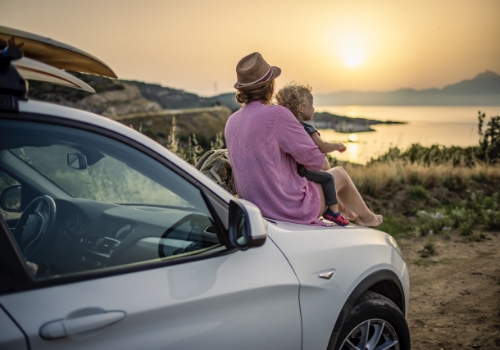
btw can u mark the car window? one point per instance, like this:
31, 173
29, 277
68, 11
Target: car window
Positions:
98, 181
93, 203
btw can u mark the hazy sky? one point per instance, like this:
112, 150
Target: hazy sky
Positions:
332, 45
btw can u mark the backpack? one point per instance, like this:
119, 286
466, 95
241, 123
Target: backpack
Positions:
216, 165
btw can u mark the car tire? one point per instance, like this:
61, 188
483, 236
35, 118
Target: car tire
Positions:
374, 322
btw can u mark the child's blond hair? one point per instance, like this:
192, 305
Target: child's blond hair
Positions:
293, 96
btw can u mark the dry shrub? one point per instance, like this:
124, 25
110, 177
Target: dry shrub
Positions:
377, 179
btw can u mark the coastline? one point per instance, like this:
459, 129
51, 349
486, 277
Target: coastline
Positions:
347, 125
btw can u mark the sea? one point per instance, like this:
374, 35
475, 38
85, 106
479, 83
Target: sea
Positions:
426, 125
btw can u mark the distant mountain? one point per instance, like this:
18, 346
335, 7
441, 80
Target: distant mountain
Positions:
483, 90
122, 97
485, 83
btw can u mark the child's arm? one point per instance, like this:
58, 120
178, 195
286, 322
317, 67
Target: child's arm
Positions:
327, 147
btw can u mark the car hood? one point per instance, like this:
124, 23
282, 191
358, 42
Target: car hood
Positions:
352, 252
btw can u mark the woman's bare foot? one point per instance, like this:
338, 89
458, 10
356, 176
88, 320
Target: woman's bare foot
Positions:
373, 220
348, 214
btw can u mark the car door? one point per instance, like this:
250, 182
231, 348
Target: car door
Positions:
121, 249
11, 336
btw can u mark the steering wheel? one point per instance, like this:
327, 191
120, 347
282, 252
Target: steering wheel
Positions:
36, 220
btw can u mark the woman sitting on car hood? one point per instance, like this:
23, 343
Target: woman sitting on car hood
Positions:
265, 142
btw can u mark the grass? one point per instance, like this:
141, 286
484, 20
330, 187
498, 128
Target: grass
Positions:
421, 200
474, 238
427, 263
485, 253
376, 178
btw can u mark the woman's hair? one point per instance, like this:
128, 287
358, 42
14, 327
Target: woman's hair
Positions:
262, 93
293, 96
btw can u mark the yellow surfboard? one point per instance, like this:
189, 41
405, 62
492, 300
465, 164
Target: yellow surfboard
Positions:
53, 53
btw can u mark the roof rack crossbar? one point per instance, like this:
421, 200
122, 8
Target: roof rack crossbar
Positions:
12, 85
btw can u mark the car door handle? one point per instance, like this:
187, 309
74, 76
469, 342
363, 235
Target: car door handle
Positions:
67, 327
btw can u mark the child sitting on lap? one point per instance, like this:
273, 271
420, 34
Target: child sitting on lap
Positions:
299, 100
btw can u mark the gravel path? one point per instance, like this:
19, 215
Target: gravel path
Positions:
455, 293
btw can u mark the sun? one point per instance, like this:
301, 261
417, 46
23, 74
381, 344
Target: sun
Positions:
351, 47
353, 57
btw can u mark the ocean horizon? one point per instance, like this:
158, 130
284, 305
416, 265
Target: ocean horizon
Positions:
426, 125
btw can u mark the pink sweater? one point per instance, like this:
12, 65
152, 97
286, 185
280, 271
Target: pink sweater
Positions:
265, 143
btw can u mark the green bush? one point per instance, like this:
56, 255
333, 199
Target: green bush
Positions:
429, 250
417, 192
489, 140
492, 220
432, 223
395, 225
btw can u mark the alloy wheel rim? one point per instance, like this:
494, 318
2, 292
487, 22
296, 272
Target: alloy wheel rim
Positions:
373, 334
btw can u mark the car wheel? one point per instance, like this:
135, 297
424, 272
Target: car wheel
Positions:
374, 323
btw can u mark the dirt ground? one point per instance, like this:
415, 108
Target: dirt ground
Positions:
455, 293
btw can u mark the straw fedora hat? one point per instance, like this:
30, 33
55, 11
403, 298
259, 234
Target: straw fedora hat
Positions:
253, 71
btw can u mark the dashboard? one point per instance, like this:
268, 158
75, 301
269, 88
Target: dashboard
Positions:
90, 235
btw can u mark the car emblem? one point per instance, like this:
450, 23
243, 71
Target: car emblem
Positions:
326, 275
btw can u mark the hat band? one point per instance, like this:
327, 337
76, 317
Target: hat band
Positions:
264, 78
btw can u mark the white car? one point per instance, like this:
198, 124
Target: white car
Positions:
110, 241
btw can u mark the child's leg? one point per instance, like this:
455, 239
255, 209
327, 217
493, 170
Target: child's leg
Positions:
327, 182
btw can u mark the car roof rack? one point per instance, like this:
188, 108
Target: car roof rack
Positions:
13, 86
44, 59
54, 53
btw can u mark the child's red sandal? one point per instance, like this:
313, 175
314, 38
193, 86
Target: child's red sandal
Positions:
337, 218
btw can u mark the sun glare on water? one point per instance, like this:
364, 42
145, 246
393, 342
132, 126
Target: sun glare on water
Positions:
353, 138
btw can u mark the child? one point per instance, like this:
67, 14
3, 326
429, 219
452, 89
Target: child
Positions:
299, 100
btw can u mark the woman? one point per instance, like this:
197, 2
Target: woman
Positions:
265, 143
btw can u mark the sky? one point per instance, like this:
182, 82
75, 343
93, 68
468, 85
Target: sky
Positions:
332, 45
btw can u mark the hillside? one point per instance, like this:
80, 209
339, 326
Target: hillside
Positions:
115, 97
482, 90
205, 123
149, 108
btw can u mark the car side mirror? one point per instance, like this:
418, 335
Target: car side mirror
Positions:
10, 199
77, 161
247, 228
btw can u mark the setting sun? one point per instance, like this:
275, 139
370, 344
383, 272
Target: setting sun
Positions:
352, 46
353, 57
